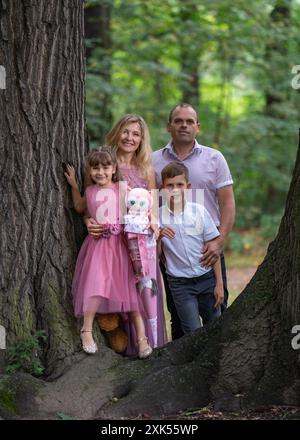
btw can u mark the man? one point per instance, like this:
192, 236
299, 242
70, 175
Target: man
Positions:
208, 171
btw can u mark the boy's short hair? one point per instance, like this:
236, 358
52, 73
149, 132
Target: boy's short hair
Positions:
174, 169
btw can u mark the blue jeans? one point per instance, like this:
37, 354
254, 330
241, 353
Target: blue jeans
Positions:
194, 297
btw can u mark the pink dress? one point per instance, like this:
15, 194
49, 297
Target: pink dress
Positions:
134, 180
104, 281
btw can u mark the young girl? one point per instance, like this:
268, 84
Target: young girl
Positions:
104, 281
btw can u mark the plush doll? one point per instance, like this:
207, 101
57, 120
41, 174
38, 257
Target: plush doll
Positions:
137, 222
142, 250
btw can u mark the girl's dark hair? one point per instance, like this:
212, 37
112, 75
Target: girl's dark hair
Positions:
101, 156
174, 169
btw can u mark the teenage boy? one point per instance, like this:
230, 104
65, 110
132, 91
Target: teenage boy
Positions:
185, 228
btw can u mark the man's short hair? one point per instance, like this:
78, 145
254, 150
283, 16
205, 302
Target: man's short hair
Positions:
181, 105
174, 169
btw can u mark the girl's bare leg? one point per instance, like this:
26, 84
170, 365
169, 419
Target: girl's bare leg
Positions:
140, 332
87, 328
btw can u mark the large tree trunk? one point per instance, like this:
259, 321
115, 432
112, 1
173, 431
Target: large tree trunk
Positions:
41, 126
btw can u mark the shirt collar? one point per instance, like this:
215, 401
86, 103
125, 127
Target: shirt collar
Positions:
166, 208
170, 148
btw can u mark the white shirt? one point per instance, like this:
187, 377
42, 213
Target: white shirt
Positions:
193, 227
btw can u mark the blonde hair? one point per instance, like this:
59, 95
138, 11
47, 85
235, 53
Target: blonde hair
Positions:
142, 159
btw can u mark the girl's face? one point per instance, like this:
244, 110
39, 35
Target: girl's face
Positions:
131, 138
102, 175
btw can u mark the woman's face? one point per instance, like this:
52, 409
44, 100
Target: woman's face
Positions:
130, 138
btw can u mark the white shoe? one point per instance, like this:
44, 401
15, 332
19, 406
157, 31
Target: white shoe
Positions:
143, 354
91, 348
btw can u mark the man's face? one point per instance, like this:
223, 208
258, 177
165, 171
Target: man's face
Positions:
183, 126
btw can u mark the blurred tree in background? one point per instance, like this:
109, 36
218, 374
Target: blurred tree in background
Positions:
232, 60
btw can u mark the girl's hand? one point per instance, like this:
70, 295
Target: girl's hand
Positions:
167, 232
71, 176
94, 229
219, 295
155, 230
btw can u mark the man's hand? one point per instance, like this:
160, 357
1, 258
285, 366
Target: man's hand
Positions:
219, 295
71, 176
211, 252
94, 229
167, 232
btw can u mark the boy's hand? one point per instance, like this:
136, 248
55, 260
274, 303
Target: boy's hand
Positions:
71, 176
167, 232
94, 229
219, 295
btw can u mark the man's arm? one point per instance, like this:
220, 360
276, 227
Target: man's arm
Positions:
219, 288
227, 210
213, 249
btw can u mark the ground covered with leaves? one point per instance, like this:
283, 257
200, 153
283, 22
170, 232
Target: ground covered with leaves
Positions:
208, 413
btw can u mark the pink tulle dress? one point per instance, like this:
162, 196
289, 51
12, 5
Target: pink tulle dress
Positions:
134, 180
104, 281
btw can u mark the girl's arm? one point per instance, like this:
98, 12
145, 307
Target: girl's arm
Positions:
219, 288
79, 202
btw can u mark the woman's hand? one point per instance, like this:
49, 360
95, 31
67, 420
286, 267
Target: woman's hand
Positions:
94, 229
71, 176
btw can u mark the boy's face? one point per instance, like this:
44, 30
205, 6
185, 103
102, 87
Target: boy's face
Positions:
175, 187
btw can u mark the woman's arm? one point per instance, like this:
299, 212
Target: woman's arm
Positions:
79, 202
152, 181
155, 206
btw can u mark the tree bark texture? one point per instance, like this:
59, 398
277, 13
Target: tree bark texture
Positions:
41, 126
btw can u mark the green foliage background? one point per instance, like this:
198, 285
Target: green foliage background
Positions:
241, 53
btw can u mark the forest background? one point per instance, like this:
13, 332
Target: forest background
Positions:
236, 61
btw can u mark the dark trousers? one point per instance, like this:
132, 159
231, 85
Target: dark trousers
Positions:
194, 297
176, 330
